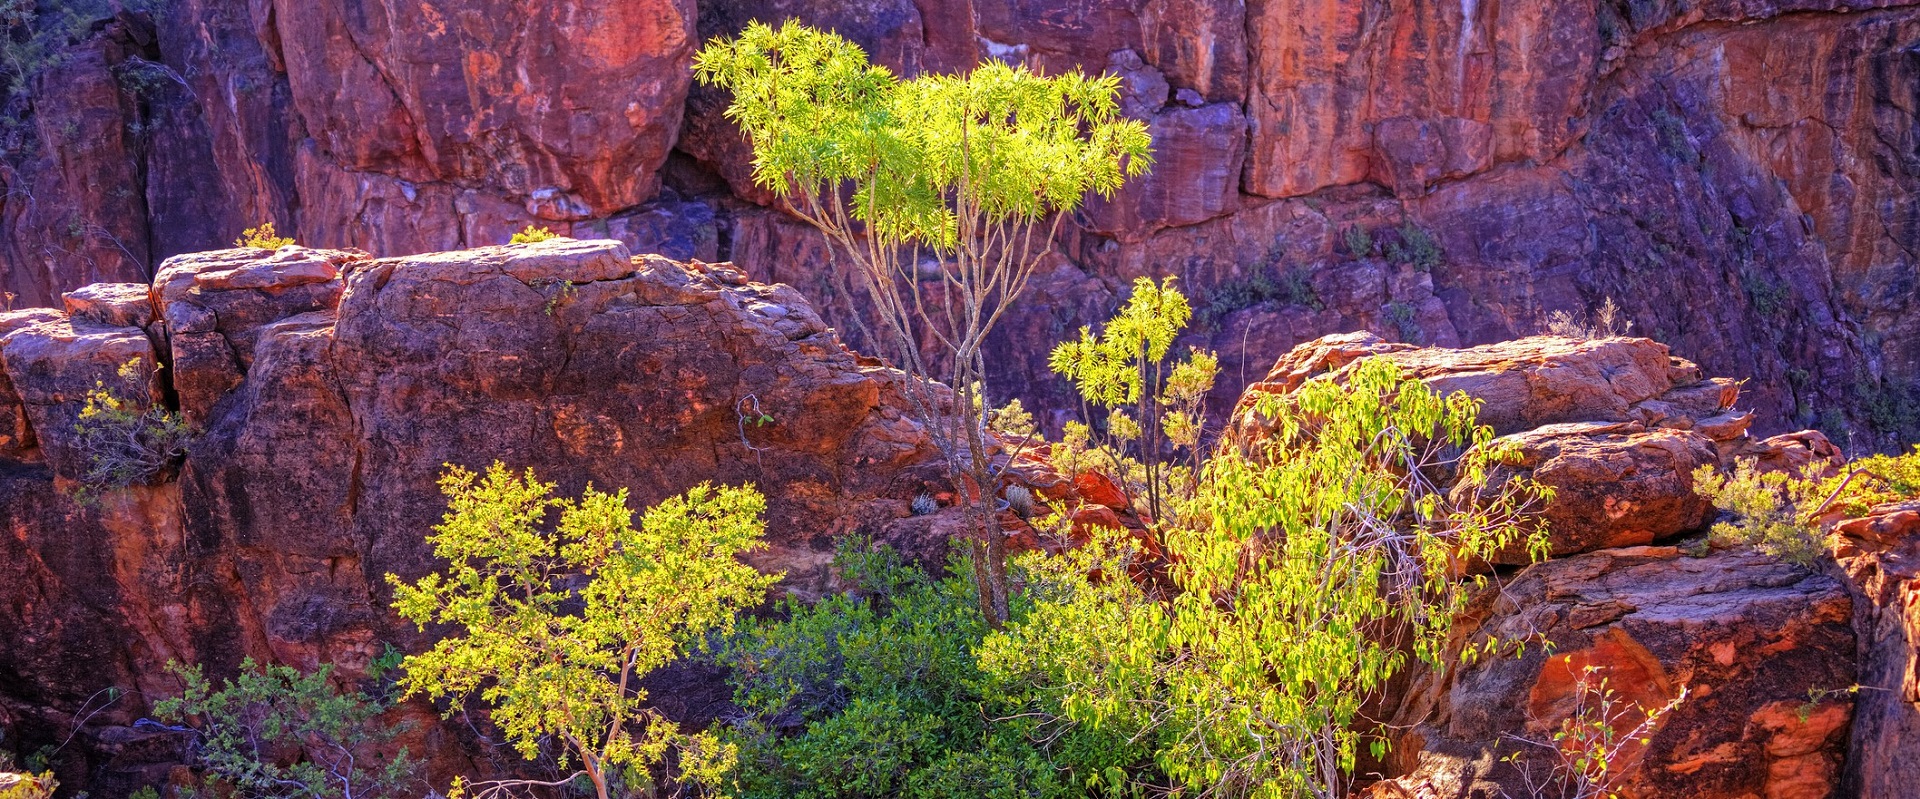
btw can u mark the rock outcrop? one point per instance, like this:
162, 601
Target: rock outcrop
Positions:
1764, 650
328, 388
1739, 176
1880, 556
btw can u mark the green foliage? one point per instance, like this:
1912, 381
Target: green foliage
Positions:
34, 36
1783, 515
948, 180
1766, 296
878, 693
274, 733
1415, 247
127, 439
28, 786
1359, 242
1289, 288
1406, 322
1299, 558
262, 238
1125, 367
926, 152
533, 235
560, 606
1773, 511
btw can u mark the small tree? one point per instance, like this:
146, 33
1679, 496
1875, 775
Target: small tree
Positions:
561, 606
1307, 573
945, 192
273, 733
1126, 366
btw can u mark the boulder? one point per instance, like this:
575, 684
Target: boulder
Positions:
1764, 651
53, 365
114, 304
215, 304
1615, 484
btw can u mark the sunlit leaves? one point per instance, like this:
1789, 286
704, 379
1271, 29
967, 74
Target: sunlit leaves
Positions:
1011, 143
560, 605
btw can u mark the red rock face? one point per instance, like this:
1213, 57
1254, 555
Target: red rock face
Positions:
1764, 650
1880, 555
329, 389
1705, 165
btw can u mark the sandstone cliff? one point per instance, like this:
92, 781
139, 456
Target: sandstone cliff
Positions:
1739, 174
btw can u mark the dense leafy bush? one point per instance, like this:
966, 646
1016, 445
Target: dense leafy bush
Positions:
262, 238
533, 235
560, 607
880, 692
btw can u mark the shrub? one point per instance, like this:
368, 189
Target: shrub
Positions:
879, 692
1607, 321
1289, 288
533, 234
127, 440
274, 733
1153, 408
555, 620
262, 238
1297, 561
1783, 515
1772, 511
1359, 242
1589, 746
1415, 248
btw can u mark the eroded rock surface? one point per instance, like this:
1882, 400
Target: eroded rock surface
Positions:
1738, 176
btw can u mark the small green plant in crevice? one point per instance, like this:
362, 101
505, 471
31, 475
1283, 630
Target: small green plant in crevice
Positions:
1359, 242
1415, 247
262, 238
1766, 296
1290, 288
1593, 745
1672, 133
560, 296
923, 505
1406, 322
1606, 321
274, 733
126, 438
533, 235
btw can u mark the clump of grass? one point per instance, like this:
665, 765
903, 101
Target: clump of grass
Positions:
1607, 321
533, 234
